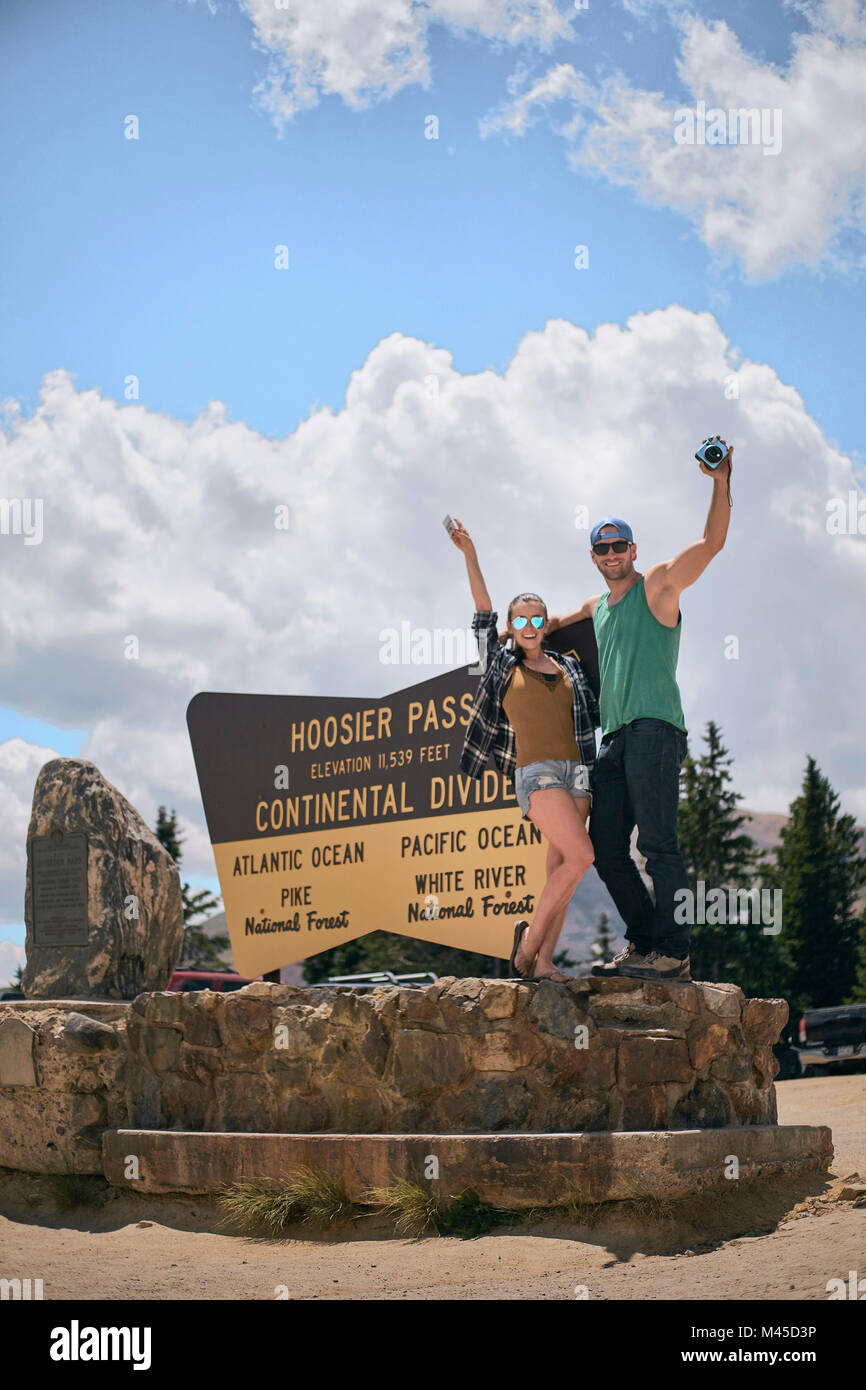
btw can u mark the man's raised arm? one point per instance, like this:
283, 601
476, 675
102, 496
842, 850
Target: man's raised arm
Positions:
672, 576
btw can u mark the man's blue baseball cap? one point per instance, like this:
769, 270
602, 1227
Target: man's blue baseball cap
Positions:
623, 530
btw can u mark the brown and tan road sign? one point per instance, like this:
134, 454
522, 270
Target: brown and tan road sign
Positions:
332, 817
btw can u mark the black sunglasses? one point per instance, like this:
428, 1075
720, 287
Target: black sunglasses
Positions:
618, 547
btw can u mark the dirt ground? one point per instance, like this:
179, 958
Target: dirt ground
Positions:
781, 1239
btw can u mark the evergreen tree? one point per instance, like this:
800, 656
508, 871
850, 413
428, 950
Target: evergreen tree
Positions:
167, 832
719, 852
820, 871
602, 947
200, 951
858, 993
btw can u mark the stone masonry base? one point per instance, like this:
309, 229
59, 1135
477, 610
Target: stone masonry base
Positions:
511, 1170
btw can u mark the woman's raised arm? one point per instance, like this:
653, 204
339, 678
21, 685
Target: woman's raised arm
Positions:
480, 597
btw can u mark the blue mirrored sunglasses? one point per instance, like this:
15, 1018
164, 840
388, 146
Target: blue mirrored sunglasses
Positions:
520, 623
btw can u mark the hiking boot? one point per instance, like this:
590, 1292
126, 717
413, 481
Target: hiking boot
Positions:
630, 956
657, 967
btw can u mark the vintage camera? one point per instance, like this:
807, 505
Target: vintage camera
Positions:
712, 452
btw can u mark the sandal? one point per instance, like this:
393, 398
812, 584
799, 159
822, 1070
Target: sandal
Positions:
519, 929
557, 976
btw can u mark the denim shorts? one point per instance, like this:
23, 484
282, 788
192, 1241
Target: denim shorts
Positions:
558, 772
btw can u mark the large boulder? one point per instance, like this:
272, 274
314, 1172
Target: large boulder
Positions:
106, 921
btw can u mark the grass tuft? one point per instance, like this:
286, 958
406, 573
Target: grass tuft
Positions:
583, 1209
307, 1197
646, 1204
312, 1198
413, 1209
416, 1211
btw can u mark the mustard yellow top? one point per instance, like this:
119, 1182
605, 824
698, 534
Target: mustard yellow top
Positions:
540, 710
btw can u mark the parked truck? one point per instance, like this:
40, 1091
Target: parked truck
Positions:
828, 1037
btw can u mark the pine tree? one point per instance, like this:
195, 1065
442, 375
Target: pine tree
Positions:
858, 993
603, 944
820, 871
718, 850
167, 832
200, 951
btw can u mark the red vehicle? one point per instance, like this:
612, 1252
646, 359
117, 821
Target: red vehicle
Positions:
220, 981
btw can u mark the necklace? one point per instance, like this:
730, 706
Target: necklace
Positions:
548, 677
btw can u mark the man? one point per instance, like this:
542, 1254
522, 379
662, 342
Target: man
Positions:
637, 624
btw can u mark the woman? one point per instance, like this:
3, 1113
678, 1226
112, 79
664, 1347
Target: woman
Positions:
536, 712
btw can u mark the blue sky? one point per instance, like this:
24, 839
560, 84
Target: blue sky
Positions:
131, 256
155, 256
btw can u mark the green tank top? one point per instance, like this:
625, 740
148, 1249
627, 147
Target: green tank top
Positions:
637, 657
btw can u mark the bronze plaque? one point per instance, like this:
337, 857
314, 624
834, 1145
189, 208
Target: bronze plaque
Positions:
59, 890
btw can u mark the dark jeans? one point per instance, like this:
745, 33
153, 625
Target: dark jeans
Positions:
636, 782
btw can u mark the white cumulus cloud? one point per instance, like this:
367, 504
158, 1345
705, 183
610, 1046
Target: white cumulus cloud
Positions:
803, 204
162, 573
361, 50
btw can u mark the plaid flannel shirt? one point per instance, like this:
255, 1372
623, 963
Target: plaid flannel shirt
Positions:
489, 730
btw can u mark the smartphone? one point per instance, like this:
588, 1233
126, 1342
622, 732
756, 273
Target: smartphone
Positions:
450, 524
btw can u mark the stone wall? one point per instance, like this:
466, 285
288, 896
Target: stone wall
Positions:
62, 1082
460, 1056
